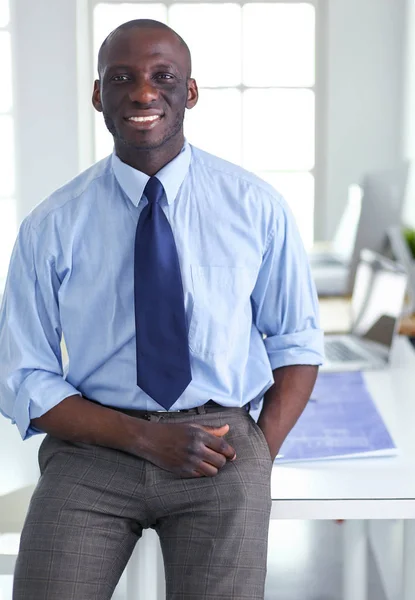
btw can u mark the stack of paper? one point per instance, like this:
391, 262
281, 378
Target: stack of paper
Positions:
340, 421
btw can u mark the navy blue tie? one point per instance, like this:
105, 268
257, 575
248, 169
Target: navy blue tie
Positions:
163, 362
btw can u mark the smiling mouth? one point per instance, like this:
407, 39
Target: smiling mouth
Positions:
144, 122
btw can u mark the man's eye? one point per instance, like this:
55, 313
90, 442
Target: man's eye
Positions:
165, 76
120, 78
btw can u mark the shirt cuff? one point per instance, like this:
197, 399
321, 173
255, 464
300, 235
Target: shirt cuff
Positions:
299, 348
38, 394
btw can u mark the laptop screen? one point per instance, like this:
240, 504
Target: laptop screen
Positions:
383, 197
378, 297
345, 236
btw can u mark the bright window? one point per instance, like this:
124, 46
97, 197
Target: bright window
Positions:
256, 83
8, 220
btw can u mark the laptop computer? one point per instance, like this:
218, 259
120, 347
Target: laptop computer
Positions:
401, 252
340, 249
377, 303
371, 209
330, 268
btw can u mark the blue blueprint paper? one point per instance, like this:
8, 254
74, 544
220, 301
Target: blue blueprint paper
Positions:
342, 422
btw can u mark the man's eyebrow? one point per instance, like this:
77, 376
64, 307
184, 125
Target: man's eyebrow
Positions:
166, 66
116, 66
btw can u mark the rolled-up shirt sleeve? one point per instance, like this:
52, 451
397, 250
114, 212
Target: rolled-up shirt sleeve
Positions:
31, 372
284, 300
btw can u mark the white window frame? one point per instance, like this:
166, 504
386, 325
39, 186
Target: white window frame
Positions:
87, 74
10, 112
7, 28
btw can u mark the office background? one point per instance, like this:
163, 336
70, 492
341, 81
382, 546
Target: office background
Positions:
363, 84
364, 88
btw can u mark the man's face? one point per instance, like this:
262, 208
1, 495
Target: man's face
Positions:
144, 88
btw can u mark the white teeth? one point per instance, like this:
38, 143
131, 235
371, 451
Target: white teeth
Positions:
143, 119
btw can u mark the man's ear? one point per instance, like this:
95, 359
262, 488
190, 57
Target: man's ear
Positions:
96, 96
192, 93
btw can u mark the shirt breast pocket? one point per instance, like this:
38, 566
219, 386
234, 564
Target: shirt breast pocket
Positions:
221, 308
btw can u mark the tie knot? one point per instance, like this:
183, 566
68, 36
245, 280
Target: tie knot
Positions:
154, 190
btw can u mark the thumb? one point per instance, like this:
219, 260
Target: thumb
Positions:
218, 431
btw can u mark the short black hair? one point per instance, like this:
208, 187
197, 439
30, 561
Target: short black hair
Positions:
141, 24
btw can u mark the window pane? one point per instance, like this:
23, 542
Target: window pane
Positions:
215, 62
4, 13
8, 231
6, 156
6, 78
103, 139
278, 130
214, 124
108, 16
279, 44
298, 191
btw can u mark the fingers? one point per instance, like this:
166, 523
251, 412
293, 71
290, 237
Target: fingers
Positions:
220, 445
205, 469
215, 441
215, 459
210, 463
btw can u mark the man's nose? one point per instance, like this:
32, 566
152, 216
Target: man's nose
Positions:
143, 92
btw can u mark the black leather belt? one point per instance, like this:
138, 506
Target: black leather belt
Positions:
209, 406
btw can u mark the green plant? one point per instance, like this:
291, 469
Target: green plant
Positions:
409, 234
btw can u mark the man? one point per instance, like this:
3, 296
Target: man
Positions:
165, 288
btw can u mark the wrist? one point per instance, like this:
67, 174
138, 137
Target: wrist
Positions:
137, 435
272, 434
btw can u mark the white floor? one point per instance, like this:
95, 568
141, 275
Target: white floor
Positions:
5, 587
304, 563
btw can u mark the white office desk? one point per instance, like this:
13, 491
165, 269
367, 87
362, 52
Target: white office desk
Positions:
361, 488
356, 490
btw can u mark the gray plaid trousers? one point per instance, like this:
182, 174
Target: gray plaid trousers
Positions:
92, 503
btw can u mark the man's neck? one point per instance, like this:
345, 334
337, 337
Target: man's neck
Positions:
149, 160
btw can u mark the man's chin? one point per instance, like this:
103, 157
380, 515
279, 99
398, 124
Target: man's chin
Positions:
143, 141
146, 141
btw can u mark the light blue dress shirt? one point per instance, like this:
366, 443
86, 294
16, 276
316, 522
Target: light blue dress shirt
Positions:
245, 276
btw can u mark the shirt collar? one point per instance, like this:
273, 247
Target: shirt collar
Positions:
171, 176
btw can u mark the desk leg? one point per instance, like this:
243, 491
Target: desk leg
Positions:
355, 560
409, 560
145, 570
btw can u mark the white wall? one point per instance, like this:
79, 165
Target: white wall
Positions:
45, 97
364, 95
409, 110
363, 104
